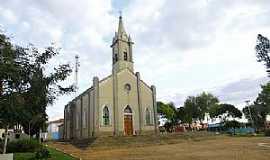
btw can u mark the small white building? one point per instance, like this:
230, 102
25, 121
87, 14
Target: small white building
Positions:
53, 129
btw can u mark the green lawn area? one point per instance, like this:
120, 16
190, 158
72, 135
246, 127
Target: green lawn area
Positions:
55, 155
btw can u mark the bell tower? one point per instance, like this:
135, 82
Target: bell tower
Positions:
122, 49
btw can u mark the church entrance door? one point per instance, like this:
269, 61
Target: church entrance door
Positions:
128, 125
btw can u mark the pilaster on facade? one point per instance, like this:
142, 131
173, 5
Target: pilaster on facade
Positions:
96, 104
81, 118
115, 102
153, 88
139, 101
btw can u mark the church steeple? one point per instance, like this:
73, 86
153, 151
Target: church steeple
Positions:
122, 49
121, 29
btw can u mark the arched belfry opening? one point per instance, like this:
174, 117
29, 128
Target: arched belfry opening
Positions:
128, 124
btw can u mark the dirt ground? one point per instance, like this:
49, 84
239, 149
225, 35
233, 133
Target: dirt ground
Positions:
175, 147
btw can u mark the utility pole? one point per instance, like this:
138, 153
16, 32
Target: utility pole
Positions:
77, 65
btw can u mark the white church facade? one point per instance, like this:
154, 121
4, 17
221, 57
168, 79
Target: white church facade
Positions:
120, 104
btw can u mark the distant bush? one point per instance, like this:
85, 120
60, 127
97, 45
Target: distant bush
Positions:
23, 146
267, 132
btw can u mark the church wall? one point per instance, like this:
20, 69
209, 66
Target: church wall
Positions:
78, 118
106, 99
147, 102
127, 98
91, 114
67, 121
85, 101
72, 119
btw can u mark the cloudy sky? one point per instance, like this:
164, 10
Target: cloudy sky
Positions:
183, 47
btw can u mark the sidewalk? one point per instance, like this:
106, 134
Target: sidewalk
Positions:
6, 156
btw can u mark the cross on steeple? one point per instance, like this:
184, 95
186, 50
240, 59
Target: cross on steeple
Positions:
120, 13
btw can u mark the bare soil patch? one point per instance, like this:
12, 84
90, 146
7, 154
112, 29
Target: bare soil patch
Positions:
195, 146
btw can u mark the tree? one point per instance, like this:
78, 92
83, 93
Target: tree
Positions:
232, 124
14, 82
169, 112
255, 114
197, 106
260, 108
191, 109
225, 111
25, 88
206, 101
263, 98
262, 50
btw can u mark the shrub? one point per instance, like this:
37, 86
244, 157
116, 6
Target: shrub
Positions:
267, 132
23, 146
43, 153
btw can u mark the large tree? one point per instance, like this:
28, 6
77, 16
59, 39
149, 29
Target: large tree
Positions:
256, 113
225, 111
197, 106
206, 101
168, 111
262, 51
26, 90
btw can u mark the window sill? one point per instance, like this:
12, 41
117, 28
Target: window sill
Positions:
106, 125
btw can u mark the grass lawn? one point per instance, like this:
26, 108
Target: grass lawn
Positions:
194, 146
55, 155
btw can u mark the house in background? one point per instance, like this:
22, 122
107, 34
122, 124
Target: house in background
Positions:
53, 129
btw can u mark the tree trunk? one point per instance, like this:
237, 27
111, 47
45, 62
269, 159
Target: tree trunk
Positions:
29, 130
6, 139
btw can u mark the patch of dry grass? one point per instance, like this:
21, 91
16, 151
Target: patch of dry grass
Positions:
195, 146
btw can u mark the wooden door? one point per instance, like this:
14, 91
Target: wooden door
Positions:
128, 125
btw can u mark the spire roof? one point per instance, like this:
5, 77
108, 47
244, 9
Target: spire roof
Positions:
121, 29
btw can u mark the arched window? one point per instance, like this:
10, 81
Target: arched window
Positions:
115, 57
125, 56
128, 109
106, 116
147, 117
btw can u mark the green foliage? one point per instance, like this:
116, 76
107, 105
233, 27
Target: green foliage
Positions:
196, 106
260, 108
262, 50
263, 97
26, 87
23, 146
267, 132
258, 115
232, 124
54, 155
168, 111
228, 110
43, 153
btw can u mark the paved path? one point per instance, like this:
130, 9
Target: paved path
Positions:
6, 156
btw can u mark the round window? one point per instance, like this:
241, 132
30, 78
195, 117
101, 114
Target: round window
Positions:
127, 87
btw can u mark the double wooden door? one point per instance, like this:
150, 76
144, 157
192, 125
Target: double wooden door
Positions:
128, 125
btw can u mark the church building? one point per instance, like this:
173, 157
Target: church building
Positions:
120, 104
